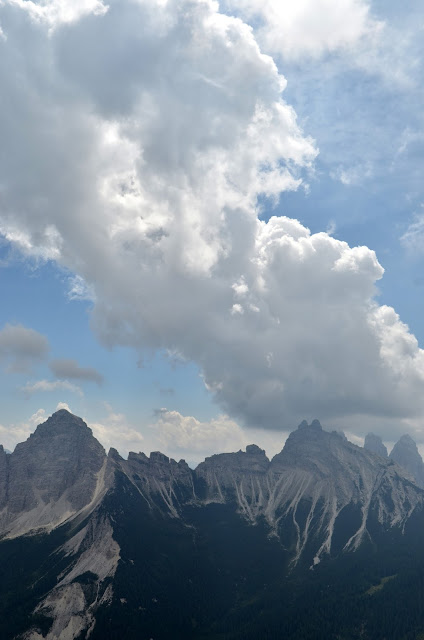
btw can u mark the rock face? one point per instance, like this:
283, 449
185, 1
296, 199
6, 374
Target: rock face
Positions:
110, 524
406, 455
163, 483
375, 444
310, 484
51, 476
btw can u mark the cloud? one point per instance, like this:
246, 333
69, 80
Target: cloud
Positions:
186, 436
115, 431
63, 405
298, 29
176, 130
68, 368
78, 289
22, 348
413, 238
12, 434
353, 175
56, 12
47, 385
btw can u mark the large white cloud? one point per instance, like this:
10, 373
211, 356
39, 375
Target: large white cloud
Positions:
185, 436
307, 27
139, 141
114, 430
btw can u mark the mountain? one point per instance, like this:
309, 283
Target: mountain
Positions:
375, 444
51, 476
406, 455
319, 542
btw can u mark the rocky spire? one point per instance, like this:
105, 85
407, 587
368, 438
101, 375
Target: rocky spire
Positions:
406, 455
375, 444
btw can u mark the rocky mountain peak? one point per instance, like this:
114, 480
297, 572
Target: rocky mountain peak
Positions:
309, 445
375, 444
157, 456
405, 453
61, 422
315, 424
254, 450
53, 473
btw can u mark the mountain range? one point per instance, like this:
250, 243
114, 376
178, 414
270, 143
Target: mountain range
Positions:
322, 541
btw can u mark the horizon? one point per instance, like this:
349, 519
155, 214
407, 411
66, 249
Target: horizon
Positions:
195, 462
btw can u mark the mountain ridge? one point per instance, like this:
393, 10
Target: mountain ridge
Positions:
107, 521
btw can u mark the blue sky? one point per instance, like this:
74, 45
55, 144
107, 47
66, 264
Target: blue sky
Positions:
162, 164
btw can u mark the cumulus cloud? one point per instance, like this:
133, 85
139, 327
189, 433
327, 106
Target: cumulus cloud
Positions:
183, 436
56, 12
21, 347
116, 431
70, 369
297, 29
181, 433
175, 125
63, 405
47, 385
12, 434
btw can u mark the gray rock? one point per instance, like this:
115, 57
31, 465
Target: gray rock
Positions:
51, 475
317, 474
375, 444
406, 455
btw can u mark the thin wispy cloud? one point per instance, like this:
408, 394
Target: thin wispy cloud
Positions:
43, 386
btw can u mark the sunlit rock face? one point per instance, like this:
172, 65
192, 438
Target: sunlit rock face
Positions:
305, 489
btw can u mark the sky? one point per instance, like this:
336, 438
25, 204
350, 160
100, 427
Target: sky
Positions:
211, 220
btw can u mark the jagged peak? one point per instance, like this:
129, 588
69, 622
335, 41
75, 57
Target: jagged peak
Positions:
340, 434
138, 457
315, 424
114, 454
157, 456
405, 443
61, 420
64, 412
253, 449
375, 444
405, 453
406, 439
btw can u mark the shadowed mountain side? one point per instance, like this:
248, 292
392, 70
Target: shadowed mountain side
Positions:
146, 546
305, 492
